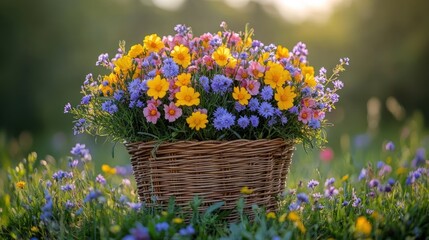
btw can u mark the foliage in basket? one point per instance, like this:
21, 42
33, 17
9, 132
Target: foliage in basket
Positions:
217, 86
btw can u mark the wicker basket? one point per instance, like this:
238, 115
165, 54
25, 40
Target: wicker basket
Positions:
213, 170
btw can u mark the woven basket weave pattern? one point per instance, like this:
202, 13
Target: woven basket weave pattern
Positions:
213, 170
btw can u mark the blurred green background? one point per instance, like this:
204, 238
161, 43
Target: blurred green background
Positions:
48, 46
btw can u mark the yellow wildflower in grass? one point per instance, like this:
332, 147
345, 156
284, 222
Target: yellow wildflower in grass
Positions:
401, 170
232, 63
263, 58
136, 50
197, 120
177, 220
34, 229
345, 178
363, 227
310, 81
377, 216
300, 226
181, 56
307, 70
293, 216
123, 64
105, 89
153, 43
164, 213
282, 218
157, 87
184, 79
20, 184
107, 169
276, 76
271, 215
282, 52
221, 55
187, 96
285, 97
246, 190
115, 229
241, 95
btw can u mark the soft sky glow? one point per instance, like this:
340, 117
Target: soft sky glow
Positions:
168, 4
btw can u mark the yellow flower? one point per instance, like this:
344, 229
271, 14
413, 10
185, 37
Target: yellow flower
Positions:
115, 228
282, 52
187, 96
310, 81
153, 43
282, 218
232, 62
300, 226
183, 79
377, 216
264, 57
285, 97
241, 95
276, 76
164, 213
271, 215
293, 216
362, 227
307, 70
221, 55
106, 90
157, 87
20, 184
177, 220
246, 190
124, 64
107, 169
136, 50
345, 178
401, 170
181, 56
197, 120
34, 229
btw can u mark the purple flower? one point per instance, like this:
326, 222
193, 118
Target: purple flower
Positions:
345, 203
69, 205
254, 120
243, 122
419, 159
135, 206
188, 231
312, 184
216, 41
238, 107
109, 106
68, 187
253, 104
182, 30
338, 84
79, 126
329, 182
88, 77
118, 95
124, 170
163, 226
60, 175
385, 169
390, 146
266, 110
79, 150
224, 121
294, 110
345, 61
135, 87
138, 233
67, 108
86, 99
380, 164
314, 123
267, 93
100, 179
46, 215
170, 68
302, 198
73, 163
294, 206
391, 181
123, 199
94, 194
330, 192
221, 84
374, 183
103, 60
205, 83
362, 174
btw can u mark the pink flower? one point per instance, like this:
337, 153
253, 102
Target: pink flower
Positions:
308, 102
305, 115
326, 154
172, 112
154, 102
252, 86
319, 115
151, 113
256, 70
208, 62
242, 74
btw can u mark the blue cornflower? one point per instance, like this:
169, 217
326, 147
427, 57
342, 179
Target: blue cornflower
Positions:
219, 111
216, 41
221, 84
243, 56
294, 110
314, 123
390, 146
329, 182
138, 233
134, 88
266, 110
243, 122
109, 106
419, 159
267, 93
67, 108
81, 151
380, 164
306, 92
312, 184
135, 206
302, 198
254, 120
48, 184
182, 30
79, 126
69, 205
239, 107
345, 203
189, 230
205, 83
170, 68
94, 194
46, 215
60, 175
163, 226
100, 179
362, 174
224, 121
253, 104
118, 95
391, 181
294, 206
373, 183
68, 187
86, 99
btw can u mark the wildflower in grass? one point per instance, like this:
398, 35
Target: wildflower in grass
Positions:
151, 113
181, 56
188, 231
221, 56
271, 215
163, 226
241, 95
92, 195
170, 69
67, 187
329, 182
266, 110
187, 96
69, 205
79, 150
205, 83
20, 184
138, 233
67, 108
177, 220
374, 183
363, 227
419, 159
390, 146
224, 121
345, 203
134, 206
331, 192
385, 169
126, 182
267, 93
172, 112
197, 120
246, 190
302, 198
362, 174
276, 76
157, 87
221, 84
294, 206
46, 215
312, 184
107, 169
345, 178
110, 107
100, 179
60, 174
73, 163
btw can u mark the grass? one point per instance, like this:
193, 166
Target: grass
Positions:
56, 199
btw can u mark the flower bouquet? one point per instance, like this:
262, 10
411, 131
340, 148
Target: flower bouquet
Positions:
209, 115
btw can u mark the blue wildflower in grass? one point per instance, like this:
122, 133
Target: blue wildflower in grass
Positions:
243, 122
224, 121
48, 184
123, 199
109, 106
391, 181
294, 206
331, 192
60, 175
69, 205
302, 198
103, 60
73, 163
79, 150
88, 78
163, 226
92, 195
390, 146
374, 183
283, 120
314, 123
243, 56
221, 84
134, 206
205, 83
182, 30
85, 99
294, 110
329, 182
419, 159
345, 203
46, 215
118, 95
267, 93
135, 87
100, 179
238, 107
356, 202
188, 231
306, 92
266, 110
363, 173
276, 238
216, 41
170, 68
79, 126
380, 164
67, 108
385, 188
219, 112
138, 233
253, 104
312, 184
254, 120
67, 187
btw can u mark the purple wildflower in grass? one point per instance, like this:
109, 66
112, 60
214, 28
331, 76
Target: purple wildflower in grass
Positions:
283, 120
330, 192
60, 175
109, 106
48, 184
300, 49
68, 187
312, 184
205, 83
243, 122
338, 84
85, 99
123, 199
69, 205
170, 68
380, 164
163, 226
138, 233
88, 77
317, 196
356, 202
67, 108
182, 30
216, 41
369, 211
267, 93
302, 198
419, 159
253, 104
224, 121
103, 60
294, 110
385, 169
257, 43
314, 123
92, 195
294, 206
345, 203
100, 179
266, 110
385, 188
221, 84
305, 92
345, 61
363, 173
134, 206
79, 150
391, 181
254, 120
73, 163
371, 194
188, 231
118, 95
329, 182
238, 107
276, 238
374, 183
79, 126
46, 215
126, 182
243, 56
